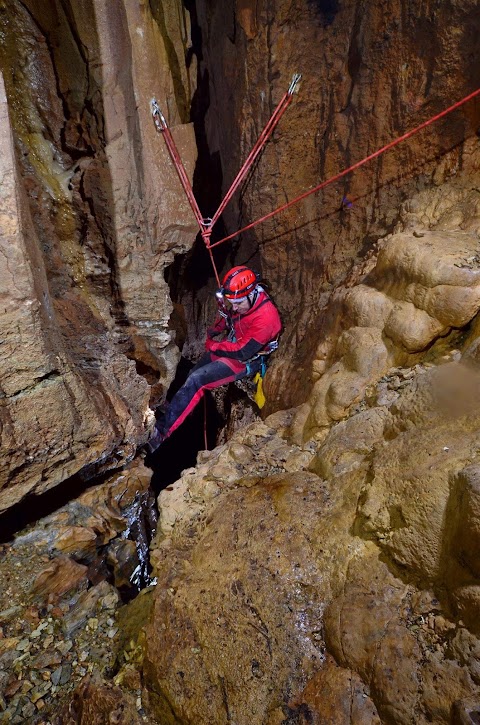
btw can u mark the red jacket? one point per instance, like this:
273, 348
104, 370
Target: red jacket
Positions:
253, 330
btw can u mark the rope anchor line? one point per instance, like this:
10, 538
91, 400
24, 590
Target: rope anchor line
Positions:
206, 224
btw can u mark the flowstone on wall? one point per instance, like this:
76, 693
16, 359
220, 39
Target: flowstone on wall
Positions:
422, 282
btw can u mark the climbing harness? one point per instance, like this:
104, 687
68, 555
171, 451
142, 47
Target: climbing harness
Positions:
262, 356
258, 375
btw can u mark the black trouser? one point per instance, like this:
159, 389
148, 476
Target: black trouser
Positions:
207, 374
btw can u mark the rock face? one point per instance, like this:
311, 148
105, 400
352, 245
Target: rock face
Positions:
94, 212
420, 283
59, 639
91, 213
326, 582
321, 566
370, 73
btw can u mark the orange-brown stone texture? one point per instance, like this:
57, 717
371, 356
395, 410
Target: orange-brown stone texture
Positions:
322, 564
371, 72
91, 213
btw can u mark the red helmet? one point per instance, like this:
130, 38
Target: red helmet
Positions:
239, 282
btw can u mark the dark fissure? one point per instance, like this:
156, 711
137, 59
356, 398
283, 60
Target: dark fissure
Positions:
192, 283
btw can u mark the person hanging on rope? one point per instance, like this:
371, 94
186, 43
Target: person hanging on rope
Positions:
236, 347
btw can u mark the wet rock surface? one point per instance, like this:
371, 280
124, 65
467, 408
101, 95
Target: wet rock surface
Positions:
59, 609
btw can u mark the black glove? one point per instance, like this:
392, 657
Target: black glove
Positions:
212, 333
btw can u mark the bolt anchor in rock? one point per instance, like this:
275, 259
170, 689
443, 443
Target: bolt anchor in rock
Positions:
158, 117
293, 87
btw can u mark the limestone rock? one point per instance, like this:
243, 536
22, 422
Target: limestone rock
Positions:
409, 523
466, 534
330, 551
76, 540
206, 600
60, 576
466, 711
349, 442
437, 273
377, 530
96, 701
444, 683
213, 596
419, 288
357, 621
91, 212
335, 696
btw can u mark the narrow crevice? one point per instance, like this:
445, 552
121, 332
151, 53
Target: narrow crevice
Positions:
327, 10
180, 450
48, 378
33, 508
192, 283
181, 99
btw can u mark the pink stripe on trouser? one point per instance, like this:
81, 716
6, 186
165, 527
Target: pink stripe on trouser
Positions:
196, 399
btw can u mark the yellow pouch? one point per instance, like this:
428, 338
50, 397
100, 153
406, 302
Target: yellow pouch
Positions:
259, 397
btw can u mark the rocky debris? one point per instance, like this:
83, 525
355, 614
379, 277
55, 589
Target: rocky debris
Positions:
59, 616
43, 664
96, 701
59, 577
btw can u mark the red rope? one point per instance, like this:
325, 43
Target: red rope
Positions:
205, 229
351, 168
206, 225
185, 181
206, 239
249, 161
205, 436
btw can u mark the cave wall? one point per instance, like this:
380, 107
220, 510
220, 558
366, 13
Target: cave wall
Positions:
371, 71
92, 212
98, 213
